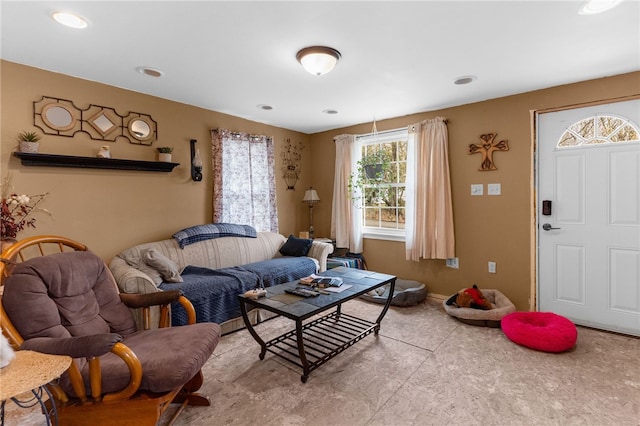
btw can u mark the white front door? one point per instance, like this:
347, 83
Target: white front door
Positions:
588, 215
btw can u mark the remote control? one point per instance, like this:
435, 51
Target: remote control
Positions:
301, 292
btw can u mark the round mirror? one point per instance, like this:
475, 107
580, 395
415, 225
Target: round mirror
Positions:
58, 117
140, 129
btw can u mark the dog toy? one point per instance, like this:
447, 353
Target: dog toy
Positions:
470, 298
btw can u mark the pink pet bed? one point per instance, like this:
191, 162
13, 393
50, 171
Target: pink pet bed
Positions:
543, 331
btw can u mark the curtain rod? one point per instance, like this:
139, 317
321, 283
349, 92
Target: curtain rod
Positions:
384, 132
236, 133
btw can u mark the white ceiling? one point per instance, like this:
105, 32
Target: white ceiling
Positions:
398, 58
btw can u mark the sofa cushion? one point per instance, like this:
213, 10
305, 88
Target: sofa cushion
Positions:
214, 292
296, 246
210, 231
164, 267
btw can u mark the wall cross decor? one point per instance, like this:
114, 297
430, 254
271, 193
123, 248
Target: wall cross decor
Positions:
487, 147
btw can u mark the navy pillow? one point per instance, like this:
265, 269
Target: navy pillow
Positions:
296, 246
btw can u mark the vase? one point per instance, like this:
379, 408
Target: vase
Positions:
31, 147
164, 156
5, 243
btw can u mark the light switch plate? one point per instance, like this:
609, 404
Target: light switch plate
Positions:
494, 189
477, 189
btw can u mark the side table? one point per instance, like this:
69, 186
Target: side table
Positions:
30, 372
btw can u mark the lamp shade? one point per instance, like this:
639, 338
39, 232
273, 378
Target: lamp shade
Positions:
311, 196
318, 60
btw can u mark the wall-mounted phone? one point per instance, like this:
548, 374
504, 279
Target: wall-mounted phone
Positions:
546, 207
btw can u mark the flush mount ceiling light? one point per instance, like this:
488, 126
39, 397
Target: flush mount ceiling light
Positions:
151, 72
318, 60
70, 20
264, 107
330, 111
465, 79
592, 7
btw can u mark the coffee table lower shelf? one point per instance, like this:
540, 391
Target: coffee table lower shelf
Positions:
310, 345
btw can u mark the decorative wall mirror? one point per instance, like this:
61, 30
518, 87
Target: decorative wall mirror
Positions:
140, 129
102, 123
58, 117
55, 116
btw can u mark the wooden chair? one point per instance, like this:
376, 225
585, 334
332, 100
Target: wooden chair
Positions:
119, 375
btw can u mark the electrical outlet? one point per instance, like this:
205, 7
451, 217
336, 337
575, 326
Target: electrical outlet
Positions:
492, 267
477, 189
453, 262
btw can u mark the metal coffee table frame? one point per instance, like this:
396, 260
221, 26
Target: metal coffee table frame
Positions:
311, 344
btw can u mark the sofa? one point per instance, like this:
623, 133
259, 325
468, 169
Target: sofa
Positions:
211, 272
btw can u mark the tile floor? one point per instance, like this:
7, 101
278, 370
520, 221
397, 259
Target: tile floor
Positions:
424, 368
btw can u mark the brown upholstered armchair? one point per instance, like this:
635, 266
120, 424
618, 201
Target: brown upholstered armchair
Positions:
60, 298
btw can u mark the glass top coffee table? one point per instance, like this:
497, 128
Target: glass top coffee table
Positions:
314, 342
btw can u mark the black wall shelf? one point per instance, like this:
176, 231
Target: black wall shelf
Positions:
53, 160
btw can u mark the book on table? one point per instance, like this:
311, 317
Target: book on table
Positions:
321, 281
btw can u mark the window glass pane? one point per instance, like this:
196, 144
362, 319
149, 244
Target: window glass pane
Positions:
626, 133
584, 128
372, 217
389, 218
607, 124
568, 139
402, 150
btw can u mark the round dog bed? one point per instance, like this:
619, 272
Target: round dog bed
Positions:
543, 331
405, 293
501, 306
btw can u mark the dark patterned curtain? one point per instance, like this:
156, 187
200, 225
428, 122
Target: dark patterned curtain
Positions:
244, 185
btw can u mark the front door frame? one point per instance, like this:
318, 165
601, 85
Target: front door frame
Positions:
533, 304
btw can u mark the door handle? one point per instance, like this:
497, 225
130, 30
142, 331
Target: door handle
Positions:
548, 227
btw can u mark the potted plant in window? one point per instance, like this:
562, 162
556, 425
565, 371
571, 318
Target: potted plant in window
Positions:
164, 153
370, 172
29, 142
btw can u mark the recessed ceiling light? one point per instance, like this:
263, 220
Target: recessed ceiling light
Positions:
591, 7
71, 20
151, 72
265, 107
465, 79
330, 111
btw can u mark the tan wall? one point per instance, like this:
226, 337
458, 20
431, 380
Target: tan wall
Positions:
110, 210
496, 228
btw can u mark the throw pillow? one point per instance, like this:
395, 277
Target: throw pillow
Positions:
166, 267
199, 233
296, 246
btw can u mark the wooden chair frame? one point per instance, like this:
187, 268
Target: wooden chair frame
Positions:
129, 405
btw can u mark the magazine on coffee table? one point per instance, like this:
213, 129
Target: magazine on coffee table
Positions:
321, 281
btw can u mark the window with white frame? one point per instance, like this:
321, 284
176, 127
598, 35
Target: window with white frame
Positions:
383, 205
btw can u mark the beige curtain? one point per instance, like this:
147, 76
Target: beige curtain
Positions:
429, 220
346, 219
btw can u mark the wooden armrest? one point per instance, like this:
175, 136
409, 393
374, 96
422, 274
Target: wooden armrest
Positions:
146, 300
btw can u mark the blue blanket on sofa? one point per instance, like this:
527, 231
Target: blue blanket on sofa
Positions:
214, 292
